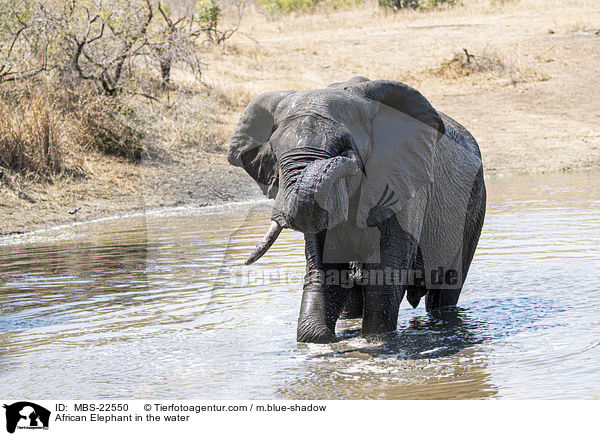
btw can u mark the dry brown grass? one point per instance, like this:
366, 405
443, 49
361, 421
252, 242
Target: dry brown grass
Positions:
110, 126
34, 137
47, 133
490, 65
309, 50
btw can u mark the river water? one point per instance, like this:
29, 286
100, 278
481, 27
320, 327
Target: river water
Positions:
159, 306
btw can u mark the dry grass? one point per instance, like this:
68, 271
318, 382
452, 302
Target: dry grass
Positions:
34, 138
45, 133
309, 50
489, 65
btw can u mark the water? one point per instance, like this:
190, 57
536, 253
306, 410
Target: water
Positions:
159, 306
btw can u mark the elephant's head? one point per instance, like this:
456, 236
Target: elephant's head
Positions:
357, 151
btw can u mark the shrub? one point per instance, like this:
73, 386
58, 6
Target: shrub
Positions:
109, 126
286, 6
488, 64
105, 42
208, 18
26, 44
414, 4
32, 136
209, 12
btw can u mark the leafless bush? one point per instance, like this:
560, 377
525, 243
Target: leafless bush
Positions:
26, 42
103, 41
177, 37
99, 40
464, 64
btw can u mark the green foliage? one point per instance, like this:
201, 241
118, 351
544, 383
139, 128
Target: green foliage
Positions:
339, 4
273, 6
287, 6
209, 12
436, 3
208, 17
414, 4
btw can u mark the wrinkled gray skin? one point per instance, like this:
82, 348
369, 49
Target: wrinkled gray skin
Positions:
376, 179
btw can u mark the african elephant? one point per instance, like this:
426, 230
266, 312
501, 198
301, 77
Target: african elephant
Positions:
388, 192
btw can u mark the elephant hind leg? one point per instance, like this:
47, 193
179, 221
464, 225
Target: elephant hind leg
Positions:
437, 298
353, 308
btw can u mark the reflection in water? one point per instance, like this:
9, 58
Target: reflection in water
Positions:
399, 365
443, 333
430, 356
161, 306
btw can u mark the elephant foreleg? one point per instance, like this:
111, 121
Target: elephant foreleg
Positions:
322, 302
383, 289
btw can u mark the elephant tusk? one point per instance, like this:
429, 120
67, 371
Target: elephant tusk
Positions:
262, 247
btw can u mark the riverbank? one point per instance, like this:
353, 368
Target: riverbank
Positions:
522, 78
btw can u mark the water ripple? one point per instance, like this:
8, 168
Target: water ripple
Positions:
154, 306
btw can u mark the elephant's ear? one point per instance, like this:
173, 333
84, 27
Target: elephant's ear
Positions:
250, 149
405, 129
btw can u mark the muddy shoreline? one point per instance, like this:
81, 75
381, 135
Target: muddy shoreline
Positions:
145, 189
211, 190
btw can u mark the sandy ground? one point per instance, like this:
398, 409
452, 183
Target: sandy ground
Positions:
540, 113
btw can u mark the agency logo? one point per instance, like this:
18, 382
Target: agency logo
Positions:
26, 415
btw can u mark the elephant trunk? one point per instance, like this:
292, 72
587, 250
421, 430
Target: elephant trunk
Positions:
268, 240
325, 177
314, 197
319, 199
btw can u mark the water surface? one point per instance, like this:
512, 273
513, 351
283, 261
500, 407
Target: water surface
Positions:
160, 306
